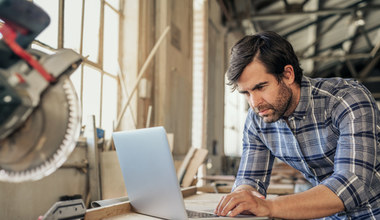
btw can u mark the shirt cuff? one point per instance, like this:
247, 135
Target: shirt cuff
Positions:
349, 188
257, 184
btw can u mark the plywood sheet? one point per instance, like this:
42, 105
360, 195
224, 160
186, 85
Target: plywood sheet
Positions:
111, 176
198, 158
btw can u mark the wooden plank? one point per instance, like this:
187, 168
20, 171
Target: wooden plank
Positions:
182, 169
177, 165
170, 137
93, 159
198, 158
189, 191
221, 178
215, 189
108, 211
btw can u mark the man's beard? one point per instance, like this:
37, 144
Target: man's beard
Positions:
277, 109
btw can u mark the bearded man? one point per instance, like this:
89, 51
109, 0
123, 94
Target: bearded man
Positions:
328, 129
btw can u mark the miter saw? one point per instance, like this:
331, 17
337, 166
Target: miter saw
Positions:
39, 110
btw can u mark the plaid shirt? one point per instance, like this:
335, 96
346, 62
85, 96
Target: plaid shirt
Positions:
333, 138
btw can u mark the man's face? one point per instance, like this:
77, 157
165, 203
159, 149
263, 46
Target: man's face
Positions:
265, 95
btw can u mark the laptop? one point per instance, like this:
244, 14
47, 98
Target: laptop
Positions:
149, 174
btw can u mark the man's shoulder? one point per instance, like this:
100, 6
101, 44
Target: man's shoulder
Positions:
332, 83
341, 95
335, 87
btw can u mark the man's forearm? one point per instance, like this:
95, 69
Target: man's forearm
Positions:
317, 202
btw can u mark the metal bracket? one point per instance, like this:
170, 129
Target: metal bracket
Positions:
71, 209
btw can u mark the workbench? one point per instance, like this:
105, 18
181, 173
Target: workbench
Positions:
194, 200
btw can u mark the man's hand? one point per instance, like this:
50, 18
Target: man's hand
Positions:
316, 202
243, 201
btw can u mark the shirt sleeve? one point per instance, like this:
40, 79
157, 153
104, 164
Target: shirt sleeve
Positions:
356, 115
256, 161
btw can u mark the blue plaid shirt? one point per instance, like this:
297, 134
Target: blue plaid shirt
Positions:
333, 138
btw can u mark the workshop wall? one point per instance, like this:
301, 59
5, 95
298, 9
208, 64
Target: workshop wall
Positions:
172, 86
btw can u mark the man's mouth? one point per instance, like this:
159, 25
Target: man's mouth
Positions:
264, 112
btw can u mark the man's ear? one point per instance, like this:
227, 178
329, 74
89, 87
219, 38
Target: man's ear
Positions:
289, 75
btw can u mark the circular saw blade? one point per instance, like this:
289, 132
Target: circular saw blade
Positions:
44, 142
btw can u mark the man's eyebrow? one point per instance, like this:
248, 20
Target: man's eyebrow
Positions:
254, 88
259, 85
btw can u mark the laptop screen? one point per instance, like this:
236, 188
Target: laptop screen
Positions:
149, 174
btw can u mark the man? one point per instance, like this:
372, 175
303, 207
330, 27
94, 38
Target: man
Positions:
328, 129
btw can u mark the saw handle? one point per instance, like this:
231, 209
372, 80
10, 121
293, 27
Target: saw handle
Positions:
27, 19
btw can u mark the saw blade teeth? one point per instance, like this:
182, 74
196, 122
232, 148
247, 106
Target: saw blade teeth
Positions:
59, 152
72, 110
72, 119
69, 129
65, 141
69, 99
66, 86
70, 132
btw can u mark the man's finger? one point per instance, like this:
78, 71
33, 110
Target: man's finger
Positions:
222, 203
219, 205
240, 208
235, 199
232, 202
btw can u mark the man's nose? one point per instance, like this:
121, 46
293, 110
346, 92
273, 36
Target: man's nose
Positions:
254, 100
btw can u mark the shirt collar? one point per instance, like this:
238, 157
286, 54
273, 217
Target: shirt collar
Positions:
305, 99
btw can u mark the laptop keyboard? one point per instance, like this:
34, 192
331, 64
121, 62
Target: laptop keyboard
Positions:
195, 214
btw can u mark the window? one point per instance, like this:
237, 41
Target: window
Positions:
198, 72
235, 108
91, 28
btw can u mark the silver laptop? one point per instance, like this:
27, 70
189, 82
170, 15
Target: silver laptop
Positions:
149, 174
